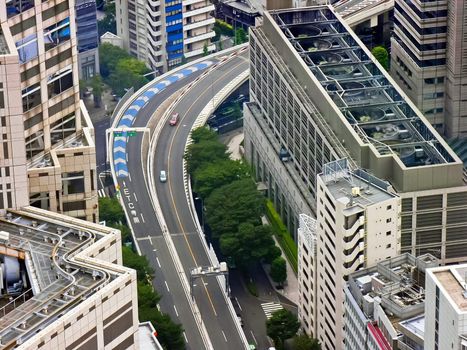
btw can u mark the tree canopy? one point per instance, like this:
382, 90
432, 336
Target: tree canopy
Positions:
200, 153
304, 342
240, 36
278, 271
249, 245
128, 73
138, 263
381, 54
109, 56
108, 24
203, 134
281, 326
111, 211
210, 176
230, 205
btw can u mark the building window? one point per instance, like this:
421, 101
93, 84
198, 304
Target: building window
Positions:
60, 81
62, 128
57, 34
73, 182
31, 96
27, 48
16, 7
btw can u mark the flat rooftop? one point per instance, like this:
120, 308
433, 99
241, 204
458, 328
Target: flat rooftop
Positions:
48, 241
341, 182
453, 280
371, 104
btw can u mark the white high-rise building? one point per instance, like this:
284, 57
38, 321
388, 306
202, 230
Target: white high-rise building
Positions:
446, 308
356, 227
163, 33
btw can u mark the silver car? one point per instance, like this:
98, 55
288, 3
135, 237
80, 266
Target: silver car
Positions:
163, 176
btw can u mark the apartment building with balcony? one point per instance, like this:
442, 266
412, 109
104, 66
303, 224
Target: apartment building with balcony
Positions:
165, 33
48, 157
356, 227
428, 62
318, 95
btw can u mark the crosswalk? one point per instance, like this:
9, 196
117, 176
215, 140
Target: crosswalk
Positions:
101, 193
270, 308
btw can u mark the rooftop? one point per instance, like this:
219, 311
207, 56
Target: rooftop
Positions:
397, 282
353, 187
453, 279
49, 242
375, 108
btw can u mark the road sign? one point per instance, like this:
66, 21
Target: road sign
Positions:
124, 133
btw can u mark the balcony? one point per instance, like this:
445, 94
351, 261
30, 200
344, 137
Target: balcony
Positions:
205, 9
199, 24
197, 38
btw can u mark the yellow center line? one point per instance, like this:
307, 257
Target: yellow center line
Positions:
170, 182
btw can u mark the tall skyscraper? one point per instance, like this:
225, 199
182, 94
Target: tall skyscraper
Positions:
165, 33
428, 60
48, 155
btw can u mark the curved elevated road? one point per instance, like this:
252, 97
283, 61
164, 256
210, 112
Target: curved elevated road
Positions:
130, 154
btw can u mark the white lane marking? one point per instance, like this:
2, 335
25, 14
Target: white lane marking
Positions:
176, 312
184, 335
239, 306
254, 338
150, 240
224, 336
142, 218
126, 155
129, 176
136, 198
158, 307
158, 262
167, 286
124, 184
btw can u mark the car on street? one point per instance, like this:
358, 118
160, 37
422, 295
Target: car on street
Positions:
163, 176
174, 119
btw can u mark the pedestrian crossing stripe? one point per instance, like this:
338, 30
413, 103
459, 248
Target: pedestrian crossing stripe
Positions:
270, 308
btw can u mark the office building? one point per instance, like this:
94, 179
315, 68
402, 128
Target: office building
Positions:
88, 38
446, 308
385, 304
428, 61
318, 95
164, 34
356, 227
48, 154
67, 286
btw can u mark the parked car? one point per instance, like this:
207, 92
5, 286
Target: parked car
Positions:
163, 176
174, 119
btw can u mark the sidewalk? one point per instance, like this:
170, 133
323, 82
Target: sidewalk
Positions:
107, 106
233, 139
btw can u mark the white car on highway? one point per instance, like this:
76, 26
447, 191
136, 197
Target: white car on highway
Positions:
163, 176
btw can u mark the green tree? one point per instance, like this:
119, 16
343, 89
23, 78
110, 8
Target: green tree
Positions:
224, 28
214, 175
97, 90
138, 263
198, 154
108, 23
240, 36
203, 134
281, 326
381, 54
83, 84
111, 211
109, 56
278, 271
249, 245
233, 204
304, 342
128, 73
205, 49
273, 253
147, 296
